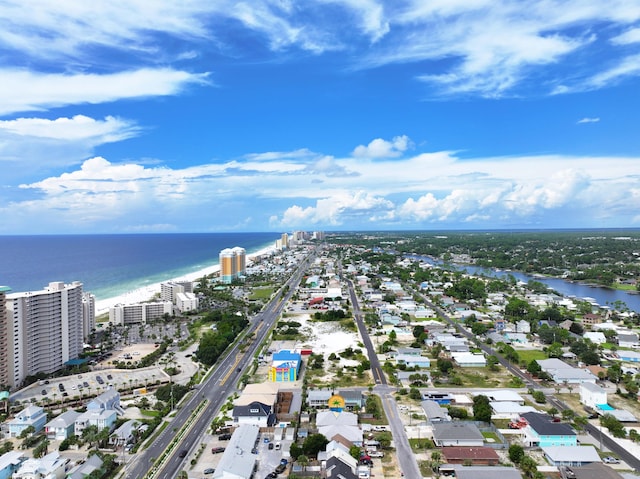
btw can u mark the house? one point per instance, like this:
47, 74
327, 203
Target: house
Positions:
440, 398
125, 434
508, 410
628, 340
338, 469
592, 395
237, 461
352, 434
523, 326
571, 455
108, 400
595, 470
469, 360
331, 418
501, 395
542, 431
255, 413
628, 356
101, 419
63, 426
459, 433
409, 352
31, 416
435, 412
51, 466
414, 361
477, 456
595, 337
590, 319
461, 471
318, 397
85, 468
10, 462
285, 366
562, 372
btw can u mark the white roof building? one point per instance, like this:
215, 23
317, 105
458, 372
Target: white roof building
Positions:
562, 372
467, 359
595, 337
237, 461
571, 455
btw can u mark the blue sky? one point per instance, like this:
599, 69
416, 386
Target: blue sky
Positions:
163, 116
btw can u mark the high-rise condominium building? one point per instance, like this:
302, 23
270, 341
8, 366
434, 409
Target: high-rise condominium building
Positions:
4, 338
233, 263
44, 330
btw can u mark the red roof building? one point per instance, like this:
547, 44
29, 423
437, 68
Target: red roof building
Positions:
476, 456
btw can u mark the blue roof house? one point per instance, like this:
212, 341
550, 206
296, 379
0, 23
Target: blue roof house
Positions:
29, 416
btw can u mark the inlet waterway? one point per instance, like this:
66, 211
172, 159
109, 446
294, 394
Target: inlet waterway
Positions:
606, 297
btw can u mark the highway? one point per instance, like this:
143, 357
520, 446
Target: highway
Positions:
214, 390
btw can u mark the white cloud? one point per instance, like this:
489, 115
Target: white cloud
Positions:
27, 91
303, 189
79, 127
588, 120
380, 148
627, 38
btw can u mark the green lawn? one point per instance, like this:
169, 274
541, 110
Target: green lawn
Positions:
261, 293
529, 355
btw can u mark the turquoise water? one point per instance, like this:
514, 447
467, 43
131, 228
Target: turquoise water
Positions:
110, 265
604, 407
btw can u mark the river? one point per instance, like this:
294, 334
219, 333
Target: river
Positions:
603, 296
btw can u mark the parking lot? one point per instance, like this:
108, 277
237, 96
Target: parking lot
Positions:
268, 459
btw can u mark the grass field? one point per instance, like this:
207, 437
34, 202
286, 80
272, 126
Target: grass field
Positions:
529, 355
261, 293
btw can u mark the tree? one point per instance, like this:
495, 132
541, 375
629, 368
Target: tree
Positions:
481, 408
304, 460
492, 363
533, 367
313, 444
516, 453
295, 451
528, 466
538, 396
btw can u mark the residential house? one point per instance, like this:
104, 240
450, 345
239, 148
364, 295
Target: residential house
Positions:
125, 434
86, 468
595, 337
563, 373
460, 471
571, 455
331, 424
523, 326
255, 413
338, 469
628, 356
592, 395
101, 419
501, 395
595, 470
31, 416
412, 361
51, 466
458, 433
10, 462
508, 410
435, 412
476, 456
63, 426
542, 431
628, 339
590, 319
469, 360
108, 400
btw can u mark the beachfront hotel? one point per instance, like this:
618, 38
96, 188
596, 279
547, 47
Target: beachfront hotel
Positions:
44, 330
4, 337
139, 313
233, 264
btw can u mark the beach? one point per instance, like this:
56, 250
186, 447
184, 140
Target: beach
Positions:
148, 292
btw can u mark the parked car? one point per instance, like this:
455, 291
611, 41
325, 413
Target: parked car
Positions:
209, 470
217, 450
376, 454
100, 380
44, 392
611, 460
270, 445
277, 446
224, 437
271, 475
280, 468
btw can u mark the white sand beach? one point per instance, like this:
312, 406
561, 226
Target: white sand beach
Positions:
146, 293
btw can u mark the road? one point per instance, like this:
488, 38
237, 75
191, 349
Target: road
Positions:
215, 390
404, 454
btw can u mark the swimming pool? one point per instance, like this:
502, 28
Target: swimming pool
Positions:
604, 407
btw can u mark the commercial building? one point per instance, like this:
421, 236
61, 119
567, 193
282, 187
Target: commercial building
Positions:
139, 313
4, 337
170, 290
44, 329
233, 264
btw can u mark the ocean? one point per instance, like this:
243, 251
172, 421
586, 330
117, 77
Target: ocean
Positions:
110, 265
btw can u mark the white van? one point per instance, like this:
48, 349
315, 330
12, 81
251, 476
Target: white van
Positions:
277, 446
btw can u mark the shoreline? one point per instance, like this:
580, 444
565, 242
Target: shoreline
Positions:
146, 293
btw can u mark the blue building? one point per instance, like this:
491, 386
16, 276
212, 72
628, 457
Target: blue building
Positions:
542, 431
29, 416
285, 366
